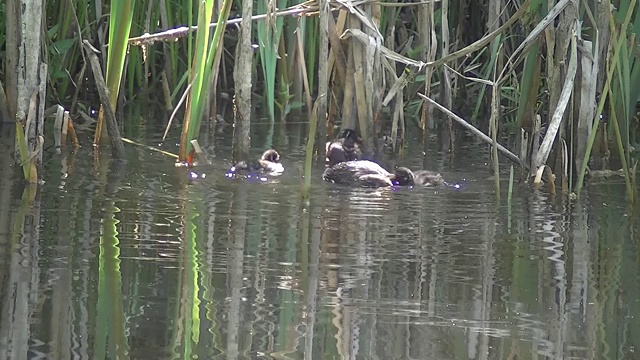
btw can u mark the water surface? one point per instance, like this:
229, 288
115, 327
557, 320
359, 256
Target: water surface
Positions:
143, 263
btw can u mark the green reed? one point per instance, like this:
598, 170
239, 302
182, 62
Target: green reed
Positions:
120, 19
204, 55
269, 31
197, 80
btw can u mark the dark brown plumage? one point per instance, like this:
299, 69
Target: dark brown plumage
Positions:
346, 148
368, 174
269, 163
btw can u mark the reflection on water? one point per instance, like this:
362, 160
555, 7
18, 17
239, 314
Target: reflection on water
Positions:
146, 264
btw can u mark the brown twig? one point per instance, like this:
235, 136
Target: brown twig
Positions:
117, 146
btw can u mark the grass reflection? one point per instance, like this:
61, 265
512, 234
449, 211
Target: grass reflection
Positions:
223, 269
111, 338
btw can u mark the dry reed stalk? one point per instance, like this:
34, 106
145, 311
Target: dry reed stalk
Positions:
493, 126
166, 92
429, 44
337, 68
117, 148
243, 84
511, 156
323, 75
337, 56
176, 33
303, 69
559, 111
348, 105
360, 88
71, 131
446, 91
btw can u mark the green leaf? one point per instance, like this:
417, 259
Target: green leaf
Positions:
62, 46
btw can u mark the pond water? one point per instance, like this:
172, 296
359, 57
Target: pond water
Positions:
136, 261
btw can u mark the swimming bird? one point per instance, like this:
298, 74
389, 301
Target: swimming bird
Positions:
268, 163
367, 174
346, 148
428, 178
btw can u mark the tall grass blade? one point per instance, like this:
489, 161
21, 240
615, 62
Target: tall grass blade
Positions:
192, 121
29, 171
269, 31
308, 160
216, 45
199, 78
489, 67
493, 130
120, 19
529, 84
605, 90
510, 197
205, 53
621, 151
